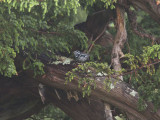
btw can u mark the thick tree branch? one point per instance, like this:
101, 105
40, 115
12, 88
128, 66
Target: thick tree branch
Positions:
120, 39
122, 96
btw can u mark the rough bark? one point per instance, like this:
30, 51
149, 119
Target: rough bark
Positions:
119, 41
121, 96
22, 99
89, 108
81, 109
16, 100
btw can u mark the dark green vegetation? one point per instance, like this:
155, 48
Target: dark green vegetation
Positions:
37, 35
50, 113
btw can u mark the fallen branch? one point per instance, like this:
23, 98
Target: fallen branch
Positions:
121, 96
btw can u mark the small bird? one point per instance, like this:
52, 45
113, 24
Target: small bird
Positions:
41, 90
76, 54
81, 57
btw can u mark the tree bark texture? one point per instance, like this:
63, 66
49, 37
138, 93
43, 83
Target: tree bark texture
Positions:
121, 96
17, 101
89, 108
119, 41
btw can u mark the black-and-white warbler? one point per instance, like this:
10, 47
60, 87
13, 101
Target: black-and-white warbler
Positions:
81, 57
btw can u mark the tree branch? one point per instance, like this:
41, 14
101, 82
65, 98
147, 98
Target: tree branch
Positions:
121, 96
148, 6
120, 39
134, 25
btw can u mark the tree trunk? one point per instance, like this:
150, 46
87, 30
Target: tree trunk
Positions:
119, 41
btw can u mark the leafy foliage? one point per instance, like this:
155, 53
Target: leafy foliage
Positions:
50, 113
31, 35
39, 27
145, 74
89, 72
143, 61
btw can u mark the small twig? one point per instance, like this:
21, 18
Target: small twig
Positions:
134, 25
92, 44
89, 42
57, 94
99, 11
134, 71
